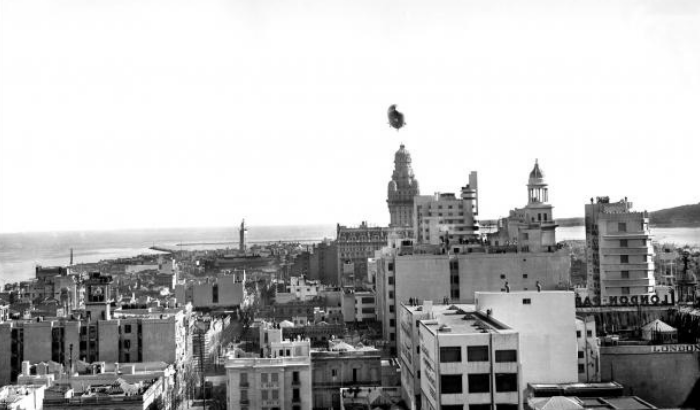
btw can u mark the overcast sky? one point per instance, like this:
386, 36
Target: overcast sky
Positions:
172, 113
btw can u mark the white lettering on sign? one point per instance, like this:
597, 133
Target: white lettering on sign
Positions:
675, 348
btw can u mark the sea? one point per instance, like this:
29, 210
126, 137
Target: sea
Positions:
21, 252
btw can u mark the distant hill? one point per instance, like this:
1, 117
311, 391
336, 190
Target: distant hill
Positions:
685, 216
680, 216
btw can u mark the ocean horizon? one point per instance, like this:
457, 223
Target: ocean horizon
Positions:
21, 252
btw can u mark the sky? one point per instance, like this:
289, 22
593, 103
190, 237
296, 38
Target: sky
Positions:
177, 113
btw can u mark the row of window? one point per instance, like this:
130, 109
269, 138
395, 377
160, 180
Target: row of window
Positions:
626, 258
453, 354
478, 383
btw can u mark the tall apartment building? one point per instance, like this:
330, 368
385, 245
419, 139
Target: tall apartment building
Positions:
409, 350
468, 360
619, 253
454, 355
355, 245
532, 228
281, 381
444, 218
402, 188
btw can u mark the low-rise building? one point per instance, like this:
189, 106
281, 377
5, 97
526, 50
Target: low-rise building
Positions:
227, 290
280, 381
343, 366
22, 397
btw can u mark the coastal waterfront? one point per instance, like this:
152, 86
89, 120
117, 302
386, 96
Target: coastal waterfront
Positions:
19, 253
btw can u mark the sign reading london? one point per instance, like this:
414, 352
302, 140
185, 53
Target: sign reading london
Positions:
643, 300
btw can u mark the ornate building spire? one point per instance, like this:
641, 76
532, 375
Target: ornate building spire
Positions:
403, 187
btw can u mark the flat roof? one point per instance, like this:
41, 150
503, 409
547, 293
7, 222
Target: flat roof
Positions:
459, 321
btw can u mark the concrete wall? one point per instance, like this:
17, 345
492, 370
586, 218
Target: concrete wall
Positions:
37, 342
6, 349
489, 272
547, 328
665, 379
108, 340
159, 342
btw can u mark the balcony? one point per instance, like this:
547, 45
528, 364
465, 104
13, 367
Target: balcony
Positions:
244, 384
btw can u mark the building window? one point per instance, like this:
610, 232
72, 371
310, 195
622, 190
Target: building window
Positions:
625, 274
582, 368
392, 336
295, 377
454, 294
127, 328
263, 377
334, 372
479, 383
506, 382
392, 322
243, 380
391, 280
624, 259
580, 354
391, 294
622, 227
503, 276
295, 395
623, 243
578, 334
451, 383
527, 301
391, 267
524, 275
506, 356
589, 333
263, 394
477, 353
127, 344
450, 354
625, 291
391, 308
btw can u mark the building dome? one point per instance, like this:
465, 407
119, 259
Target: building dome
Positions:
536, 176
402, 156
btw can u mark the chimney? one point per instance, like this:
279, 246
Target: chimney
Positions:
26, 368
